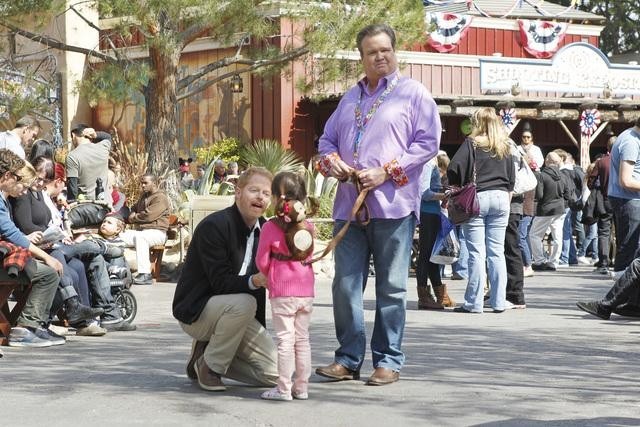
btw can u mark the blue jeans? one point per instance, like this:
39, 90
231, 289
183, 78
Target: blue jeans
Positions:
461, 266
626, 216
591, 240
568, 255
523, 230
485, 243
389, 241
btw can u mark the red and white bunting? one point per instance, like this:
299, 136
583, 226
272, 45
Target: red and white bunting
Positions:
541, 38
449, 29
589, 121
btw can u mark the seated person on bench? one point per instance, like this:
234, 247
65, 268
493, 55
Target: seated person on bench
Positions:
150, 217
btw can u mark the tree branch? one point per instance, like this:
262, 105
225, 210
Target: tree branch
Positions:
115, 51
253, 65
56, 44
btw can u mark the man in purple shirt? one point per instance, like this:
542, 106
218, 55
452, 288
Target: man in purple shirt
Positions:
384, 131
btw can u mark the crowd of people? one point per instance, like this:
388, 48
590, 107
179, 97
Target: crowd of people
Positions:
71, 271
382, 143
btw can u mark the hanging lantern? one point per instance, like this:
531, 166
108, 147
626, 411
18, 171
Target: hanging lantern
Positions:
236, 84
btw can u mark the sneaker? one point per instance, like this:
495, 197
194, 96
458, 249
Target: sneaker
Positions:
275, 394
117, 272
60, 330
24, 337
538, 267
602, 270
583, 261
45, 333
121, 326
527, 272
456, 276
143, 279
207, 379
549, 266
562, 265
302, 395
93, 330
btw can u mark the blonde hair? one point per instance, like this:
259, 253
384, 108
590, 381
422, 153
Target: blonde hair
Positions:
443, 161
27, 174
489, 133
249, 173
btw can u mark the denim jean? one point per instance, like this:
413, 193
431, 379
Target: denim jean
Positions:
101, 288
523, 230
461, 267
626, 214
590, 240
485, 243
569, 253
389, 241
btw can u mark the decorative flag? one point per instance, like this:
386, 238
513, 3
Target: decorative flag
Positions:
508, 117
589, 121
541, 38
449, 29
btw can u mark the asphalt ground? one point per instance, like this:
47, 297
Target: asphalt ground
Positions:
549, 364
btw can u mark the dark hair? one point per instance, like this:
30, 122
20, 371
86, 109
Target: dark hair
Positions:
10, 161
44, 164
290, 185
78, 129
27, 122
41, 147
151, 176
373, 30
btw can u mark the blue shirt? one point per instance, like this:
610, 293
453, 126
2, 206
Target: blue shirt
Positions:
432, 184
626, 148
8, 230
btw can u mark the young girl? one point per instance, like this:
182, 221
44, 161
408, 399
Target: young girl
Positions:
286, 242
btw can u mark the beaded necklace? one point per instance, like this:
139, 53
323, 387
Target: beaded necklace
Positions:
362, 124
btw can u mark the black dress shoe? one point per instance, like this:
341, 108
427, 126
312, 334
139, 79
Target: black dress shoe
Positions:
595, 308
143, 279
461, 309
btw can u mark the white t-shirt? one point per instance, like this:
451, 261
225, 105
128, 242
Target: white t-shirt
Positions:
11, 141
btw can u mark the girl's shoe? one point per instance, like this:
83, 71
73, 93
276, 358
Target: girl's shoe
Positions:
275, 394
303, 395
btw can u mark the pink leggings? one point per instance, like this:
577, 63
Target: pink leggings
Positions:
290, 318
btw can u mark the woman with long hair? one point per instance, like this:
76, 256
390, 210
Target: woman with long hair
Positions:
486, 154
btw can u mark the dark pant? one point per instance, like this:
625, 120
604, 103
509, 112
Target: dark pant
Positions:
626, 214
429, 229
513, 258
44, 283
625, 289
604, 234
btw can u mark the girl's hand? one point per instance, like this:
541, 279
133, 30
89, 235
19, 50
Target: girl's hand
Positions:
259, 280
35, 237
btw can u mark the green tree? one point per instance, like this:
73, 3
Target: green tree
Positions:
169, 26
621, 32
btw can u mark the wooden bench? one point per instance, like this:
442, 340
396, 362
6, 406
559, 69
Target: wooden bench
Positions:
8, 316
157, 252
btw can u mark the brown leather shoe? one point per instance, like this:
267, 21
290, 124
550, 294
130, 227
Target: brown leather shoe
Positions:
207, 379
426, 300
197, 350
383, 376
337, 372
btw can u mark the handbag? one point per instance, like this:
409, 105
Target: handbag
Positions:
525, 179
462, 202
446, 249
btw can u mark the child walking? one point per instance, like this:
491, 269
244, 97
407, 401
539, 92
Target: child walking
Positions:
286, 242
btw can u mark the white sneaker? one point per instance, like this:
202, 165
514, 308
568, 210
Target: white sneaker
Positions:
583, 261
303, 395
527, 271
275, 394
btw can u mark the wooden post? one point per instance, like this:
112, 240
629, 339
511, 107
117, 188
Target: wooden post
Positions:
585, 141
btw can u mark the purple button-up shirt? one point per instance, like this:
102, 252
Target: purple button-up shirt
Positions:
406, 128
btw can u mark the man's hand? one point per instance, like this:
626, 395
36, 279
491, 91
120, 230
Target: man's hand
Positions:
341, 170
54, 263
35, 237
371, 178
259, 280
89, 133
132, 217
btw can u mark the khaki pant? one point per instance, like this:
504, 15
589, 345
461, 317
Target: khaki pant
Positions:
239, 347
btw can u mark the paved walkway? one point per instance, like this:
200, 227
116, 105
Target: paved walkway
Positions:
547, 365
